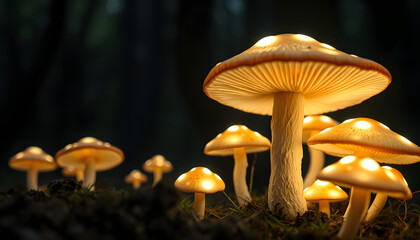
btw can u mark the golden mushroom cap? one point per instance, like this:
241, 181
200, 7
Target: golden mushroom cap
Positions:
315, 124
200, 180
368, 137
74, 155
324, 190
135, 175
327, 78
33, 157
394, 173
363, 172
157, 162
237, 136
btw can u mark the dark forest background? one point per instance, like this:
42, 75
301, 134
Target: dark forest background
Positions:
131, 73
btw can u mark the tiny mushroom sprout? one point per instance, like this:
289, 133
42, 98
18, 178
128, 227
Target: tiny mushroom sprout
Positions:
136, 178
238, 140
363, 175
311, 126
157, 165
32, 160
91, 155
324, 192
71, 171
200, 181
381, 198
288, 76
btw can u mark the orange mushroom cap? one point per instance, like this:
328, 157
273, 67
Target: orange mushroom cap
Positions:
201, 180
315, 124
157, 162
135, 175
33, 157
324, 190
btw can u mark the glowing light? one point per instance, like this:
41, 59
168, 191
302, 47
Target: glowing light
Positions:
257, 134
325, 130
20, 155
347, 159
348, 120
405, 140
387, 167
362, 124
181, 177
305, 189
325, 119
405, 182
385, 126
206, 171
87, 140
304, 37
338, 187
391, 175
193, 169
328, 169
327, 46
233, 128
307, 119
353, 55
321, 183
68, 146
218, 177
266, 41
244, 127
370, 164
219, 135
207, 185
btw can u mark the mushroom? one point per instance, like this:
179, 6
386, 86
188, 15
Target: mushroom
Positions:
364, 175
71, 171
136, 178
324, 192
289, 76
91, 155
157, 165
381, 198
238, 140
311, 126
32, 160
200, 181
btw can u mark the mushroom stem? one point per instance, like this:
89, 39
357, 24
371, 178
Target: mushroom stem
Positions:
285, 190
239, 176
355, 212
199, 204
32, 179
376, 207
350, 201
136, 184
315, 166
90, 173
324, 206
157, 176
79, 175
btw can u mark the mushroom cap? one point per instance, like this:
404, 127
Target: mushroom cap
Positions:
365, 136
328, 79
392, 172
157, 163
237, 136
315, 124
33, 157
363, 172
74, 155
70, 171
324, 190
135, 175
200, 180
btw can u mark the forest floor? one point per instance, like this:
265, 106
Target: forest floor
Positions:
68, 211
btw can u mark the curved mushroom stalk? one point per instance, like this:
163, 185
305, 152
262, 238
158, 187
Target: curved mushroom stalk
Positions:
157, 176
90, 174
285, 190
355, 212
350, 202
32, 179
239, 176
199, 204
376, 207
316, 164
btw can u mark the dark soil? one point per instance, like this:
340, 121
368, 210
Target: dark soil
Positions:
68, 211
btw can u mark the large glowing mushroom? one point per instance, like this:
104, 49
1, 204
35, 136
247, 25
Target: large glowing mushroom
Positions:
289, 76
91, 155
363, 175
33, 160
311, 126
157, 165
238, 140
200, 181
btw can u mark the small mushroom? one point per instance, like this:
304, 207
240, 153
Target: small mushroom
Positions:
32, 160
288, 76
238, 140
157, 165
324, 192
200, 181
136, 178
72, 171
311, 126
91, 155
381, 197
363, 175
